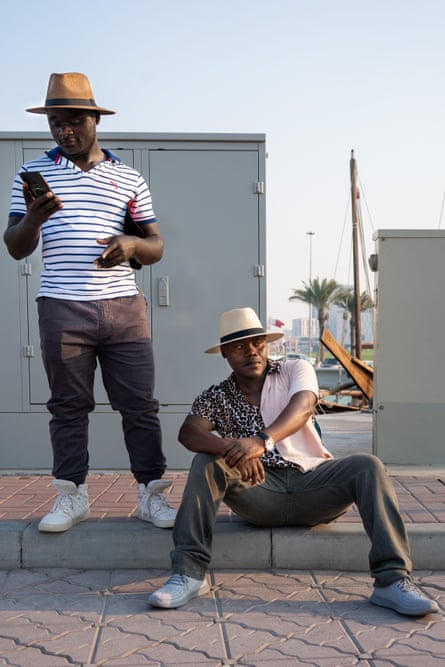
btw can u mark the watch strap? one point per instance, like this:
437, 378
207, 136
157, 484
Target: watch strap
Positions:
269, 442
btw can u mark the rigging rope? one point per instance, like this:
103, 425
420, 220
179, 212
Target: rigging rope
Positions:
362, 192
341, 238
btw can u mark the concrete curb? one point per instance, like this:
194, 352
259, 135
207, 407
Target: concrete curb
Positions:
11, 536
134, 544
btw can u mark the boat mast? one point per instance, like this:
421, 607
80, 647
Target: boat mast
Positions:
356, 344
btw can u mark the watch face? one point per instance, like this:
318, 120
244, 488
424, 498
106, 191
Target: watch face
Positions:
269, 443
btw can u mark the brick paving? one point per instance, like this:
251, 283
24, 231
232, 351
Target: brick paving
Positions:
113, 496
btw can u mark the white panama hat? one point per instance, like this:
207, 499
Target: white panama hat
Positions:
239, 324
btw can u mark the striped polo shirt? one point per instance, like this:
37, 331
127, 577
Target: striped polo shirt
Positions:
94, 206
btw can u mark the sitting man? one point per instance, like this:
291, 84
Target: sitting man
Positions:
259, 451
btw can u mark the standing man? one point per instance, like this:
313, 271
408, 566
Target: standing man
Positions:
257, 449
90, 308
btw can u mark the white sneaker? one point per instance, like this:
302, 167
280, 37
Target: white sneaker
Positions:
71, 506
153, 505
178, 590
405, 598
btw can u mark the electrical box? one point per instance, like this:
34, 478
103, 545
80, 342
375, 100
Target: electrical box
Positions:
208, 196
409, 389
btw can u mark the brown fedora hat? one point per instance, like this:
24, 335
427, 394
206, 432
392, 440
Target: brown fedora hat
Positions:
70, 90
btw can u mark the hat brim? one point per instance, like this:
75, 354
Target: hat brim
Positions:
270, 337
44, 110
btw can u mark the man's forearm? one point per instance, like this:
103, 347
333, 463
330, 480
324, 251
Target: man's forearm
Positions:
21, 238
202, 442
149, 250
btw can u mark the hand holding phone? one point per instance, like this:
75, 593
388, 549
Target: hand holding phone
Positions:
37, 184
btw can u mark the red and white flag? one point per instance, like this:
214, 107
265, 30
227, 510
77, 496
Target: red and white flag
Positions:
276, 323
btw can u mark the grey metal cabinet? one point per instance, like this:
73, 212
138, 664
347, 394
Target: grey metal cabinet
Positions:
208, 194
409, 391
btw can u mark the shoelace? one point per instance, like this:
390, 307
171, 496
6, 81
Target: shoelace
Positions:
152, 501
176, 579
63, 502
158, 501
407, 586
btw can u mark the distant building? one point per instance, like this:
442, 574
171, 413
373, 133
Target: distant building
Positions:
340, 327
297, 340
300, 328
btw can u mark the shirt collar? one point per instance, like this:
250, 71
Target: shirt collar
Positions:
273, 367
55, 155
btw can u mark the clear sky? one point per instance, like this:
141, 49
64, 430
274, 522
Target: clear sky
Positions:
318, 77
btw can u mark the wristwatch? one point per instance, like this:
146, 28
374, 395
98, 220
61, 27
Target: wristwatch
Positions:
269, 443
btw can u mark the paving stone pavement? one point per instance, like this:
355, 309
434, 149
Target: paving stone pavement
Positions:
57, 617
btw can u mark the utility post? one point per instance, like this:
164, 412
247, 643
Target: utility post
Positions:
310, 234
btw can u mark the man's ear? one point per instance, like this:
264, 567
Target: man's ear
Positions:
97, 117
223, 354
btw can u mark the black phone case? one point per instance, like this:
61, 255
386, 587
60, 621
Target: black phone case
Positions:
36, 182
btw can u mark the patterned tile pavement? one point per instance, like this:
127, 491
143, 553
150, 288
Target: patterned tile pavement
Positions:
56, 618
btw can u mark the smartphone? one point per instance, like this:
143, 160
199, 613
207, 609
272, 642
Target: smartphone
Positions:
36, 182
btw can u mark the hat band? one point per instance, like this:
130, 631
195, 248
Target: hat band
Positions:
71, 101
242, 334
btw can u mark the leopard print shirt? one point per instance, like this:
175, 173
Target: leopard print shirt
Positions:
233, 416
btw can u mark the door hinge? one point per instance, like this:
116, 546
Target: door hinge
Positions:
26, 269
28, 351
259, 187
259, 271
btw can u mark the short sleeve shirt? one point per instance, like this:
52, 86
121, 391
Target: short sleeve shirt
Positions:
94, 207
233, 416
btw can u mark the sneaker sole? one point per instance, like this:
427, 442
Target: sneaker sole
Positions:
163, 524
405, 612
159, 524
54, 528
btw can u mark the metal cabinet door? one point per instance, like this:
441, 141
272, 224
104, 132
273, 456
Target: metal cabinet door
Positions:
208, 214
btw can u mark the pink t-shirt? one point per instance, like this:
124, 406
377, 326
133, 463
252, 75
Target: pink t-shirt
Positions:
304, 447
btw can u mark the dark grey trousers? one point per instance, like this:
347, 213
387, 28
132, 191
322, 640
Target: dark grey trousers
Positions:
75, 336
291, 498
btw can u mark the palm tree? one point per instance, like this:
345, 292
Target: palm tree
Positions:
321, 295
346, 299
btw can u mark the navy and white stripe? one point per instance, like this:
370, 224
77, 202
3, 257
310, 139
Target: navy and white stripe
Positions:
94, 206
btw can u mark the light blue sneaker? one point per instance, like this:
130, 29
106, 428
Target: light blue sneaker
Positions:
405, 598
178, 590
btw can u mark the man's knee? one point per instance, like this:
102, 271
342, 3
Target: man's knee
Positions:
202, 460
203, 463
366, 464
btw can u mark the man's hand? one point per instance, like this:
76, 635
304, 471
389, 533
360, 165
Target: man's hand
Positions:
252, 471
23, 233
243, 450
244, 455
39, 209
119, 249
